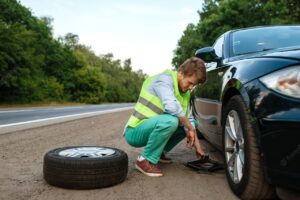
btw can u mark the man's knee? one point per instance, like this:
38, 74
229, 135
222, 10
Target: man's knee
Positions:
170, 121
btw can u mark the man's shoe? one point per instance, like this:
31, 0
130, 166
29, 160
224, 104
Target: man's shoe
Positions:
148, 168
164, 158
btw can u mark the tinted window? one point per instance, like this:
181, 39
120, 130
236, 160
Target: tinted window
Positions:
261, 39
218, 46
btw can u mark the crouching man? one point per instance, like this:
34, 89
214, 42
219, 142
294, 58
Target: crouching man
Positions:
162, 118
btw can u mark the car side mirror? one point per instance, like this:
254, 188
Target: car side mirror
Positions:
208, 54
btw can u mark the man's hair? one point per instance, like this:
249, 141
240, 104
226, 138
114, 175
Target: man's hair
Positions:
192, 66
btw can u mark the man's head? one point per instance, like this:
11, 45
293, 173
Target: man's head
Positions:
191, 73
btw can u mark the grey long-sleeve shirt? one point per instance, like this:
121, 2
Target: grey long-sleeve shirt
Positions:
163, 87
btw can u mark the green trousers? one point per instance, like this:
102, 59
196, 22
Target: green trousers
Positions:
157, 134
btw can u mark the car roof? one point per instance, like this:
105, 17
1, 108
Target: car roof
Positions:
258, 27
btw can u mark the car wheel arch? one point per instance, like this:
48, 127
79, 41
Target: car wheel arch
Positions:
228, 94
232, 88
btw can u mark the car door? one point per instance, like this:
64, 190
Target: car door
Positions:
207, 104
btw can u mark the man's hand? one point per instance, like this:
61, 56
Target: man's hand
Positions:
199, 152
190, 135
190, 130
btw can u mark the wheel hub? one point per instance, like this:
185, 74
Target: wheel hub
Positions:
237, 147
234, 146
87, 152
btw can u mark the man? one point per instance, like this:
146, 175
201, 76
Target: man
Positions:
162, 118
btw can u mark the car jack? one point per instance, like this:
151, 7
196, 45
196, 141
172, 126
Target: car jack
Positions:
205, 165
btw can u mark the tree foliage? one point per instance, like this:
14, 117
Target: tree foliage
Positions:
36, 67
219, 16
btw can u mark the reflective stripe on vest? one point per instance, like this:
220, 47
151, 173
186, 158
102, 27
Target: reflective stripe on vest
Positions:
149, 105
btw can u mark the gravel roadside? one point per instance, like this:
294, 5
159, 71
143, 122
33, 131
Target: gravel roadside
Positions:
21, 162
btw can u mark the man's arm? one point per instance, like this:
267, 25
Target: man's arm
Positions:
199, 152
189, 129
164, 89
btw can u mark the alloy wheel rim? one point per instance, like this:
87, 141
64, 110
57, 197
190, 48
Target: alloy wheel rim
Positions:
87, 152
234, 147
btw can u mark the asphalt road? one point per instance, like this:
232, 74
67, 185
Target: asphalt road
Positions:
21, 164
23, 118
21, 158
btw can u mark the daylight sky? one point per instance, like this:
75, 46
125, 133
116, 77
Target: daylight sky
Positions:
145, 31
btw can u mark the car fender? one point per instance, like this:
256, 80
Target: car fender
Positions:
236, 87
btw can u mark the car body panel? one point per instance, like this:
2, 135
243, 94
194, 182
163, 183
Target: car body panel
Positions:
279, 120
276, 116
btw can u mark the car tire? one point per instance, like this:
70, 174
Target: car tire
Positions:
86, 167
244, 166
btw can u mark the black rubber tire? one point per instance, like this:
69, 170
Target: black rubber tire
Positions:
85, 173
253, 184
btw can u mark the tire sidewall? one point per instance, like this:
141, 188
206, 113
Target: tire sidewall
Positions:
235, 105
85, 172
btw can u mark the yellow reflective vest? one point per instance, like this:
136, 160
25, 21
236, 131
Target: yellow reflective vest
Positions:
149, 105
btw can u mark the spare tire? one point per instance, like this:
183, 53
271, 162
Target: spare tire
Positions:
85, 167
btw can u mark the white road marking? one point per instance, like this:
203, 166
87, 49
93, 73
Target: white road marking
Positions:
11, 111
69, 116
67, 108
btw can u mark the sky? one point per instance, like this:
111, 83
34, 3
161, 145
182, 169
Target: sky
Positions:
145, 31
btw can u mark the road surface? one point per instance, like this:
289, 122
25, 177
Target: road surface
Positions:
21, 163
24, 118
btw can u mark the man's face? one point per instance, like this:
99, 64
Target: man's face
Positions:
186, 83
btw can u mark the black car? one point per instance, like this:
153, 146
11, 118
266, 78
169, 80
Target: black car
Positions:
250, 107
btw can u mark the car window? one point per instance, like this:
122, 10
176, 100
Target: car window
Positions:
218, 46
262, 39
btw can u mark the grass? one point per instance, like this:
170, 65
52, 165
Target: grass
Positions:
46, 104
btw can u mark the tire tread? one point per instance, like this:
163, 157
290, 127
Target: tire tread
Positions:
256, 186
85, 173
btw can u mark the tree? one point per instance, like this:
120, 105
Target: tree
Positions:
34, 66
187, 45
89, 85
71, 40
127, 65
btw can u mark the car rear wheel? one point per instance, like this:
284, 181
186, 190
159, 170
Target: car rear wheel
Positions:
85, 167
244, 168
